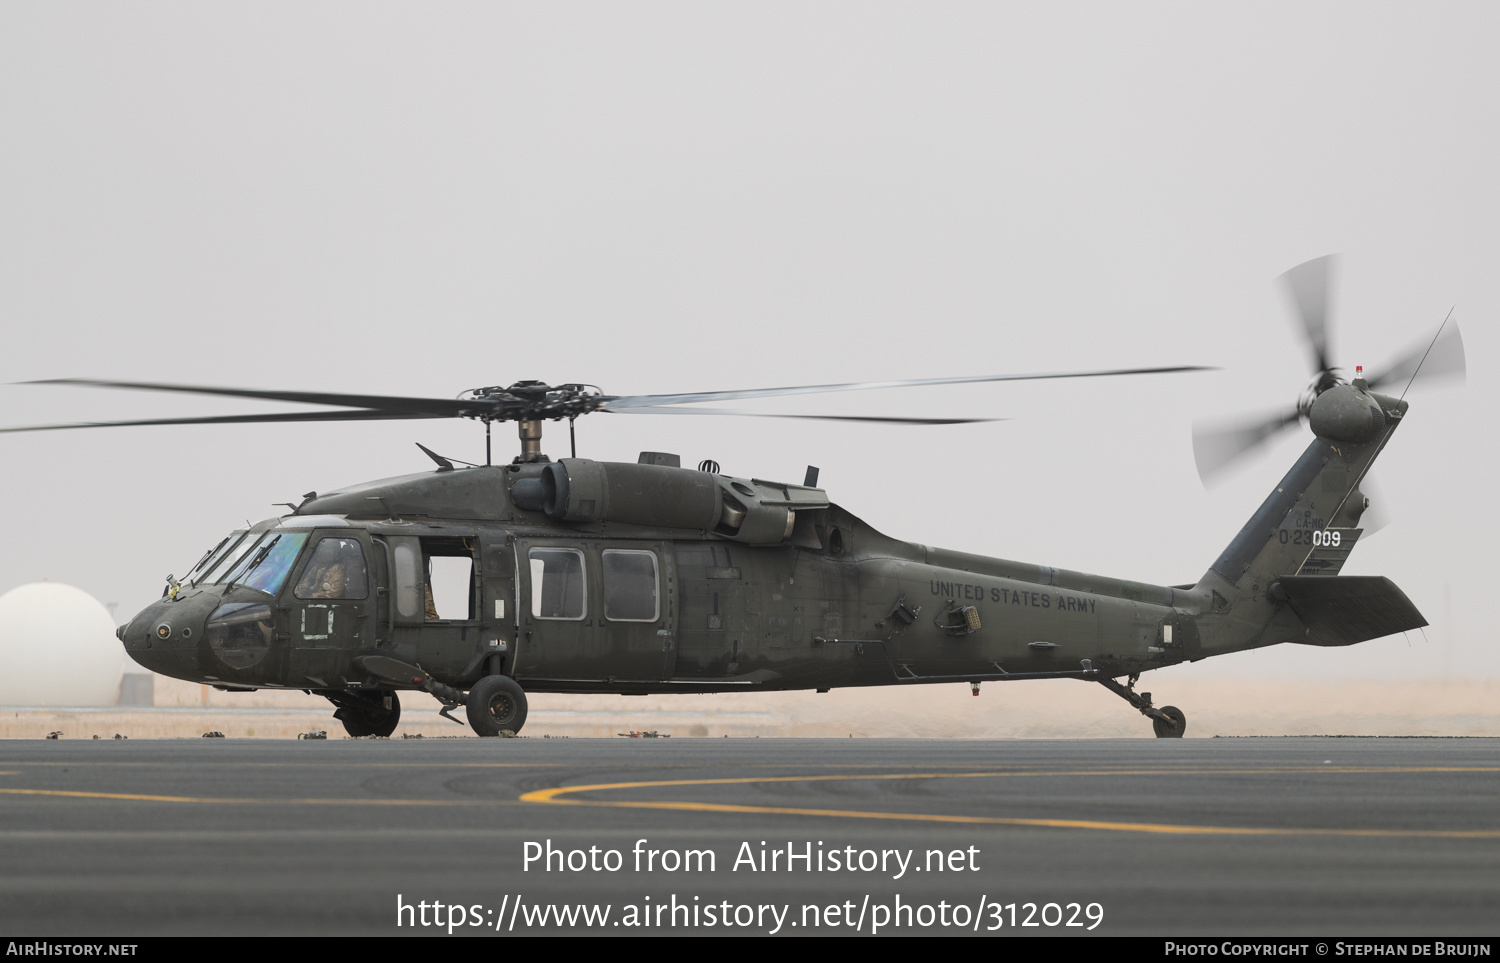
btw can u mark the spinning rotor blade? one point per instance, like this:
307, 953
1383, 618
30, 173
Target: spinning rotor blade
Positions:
288, 416
529, 401
412, 407
1376, 516
647, 401
1307, 286
761, 414
1441, 357
1216, 446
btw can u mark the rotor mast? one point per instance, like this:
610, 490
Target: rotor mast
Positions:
528, 404
530, 430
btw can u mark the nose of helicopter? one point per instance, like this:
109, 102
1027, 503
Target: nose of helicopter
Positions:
165, 636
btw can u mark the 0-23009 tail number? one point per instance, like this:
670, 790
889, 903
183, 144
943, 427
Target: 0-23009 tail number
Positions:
1318, 538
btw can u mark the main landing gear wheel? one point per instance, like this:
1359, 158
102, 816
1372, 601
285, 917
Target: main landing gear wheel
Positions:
496, 704
1173, 729
369, 715
1168, 721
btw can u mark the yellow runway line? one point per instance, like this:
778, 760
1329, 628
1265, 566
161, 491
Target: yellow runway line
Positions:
554, 796
229, 800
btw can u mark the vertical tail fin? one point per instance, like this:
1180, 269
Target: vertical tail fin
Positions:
1318, 497
1256, 591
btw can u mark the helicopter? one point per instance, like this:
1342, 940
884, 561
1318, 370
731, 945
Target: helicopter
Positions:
585, 576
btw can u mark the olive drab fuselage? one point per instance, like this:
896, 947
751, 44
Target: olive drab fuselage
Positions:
646, 578
834, 604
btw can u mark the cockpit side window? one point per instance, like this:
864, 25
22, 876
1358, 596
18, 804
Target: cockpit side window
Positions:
335, 571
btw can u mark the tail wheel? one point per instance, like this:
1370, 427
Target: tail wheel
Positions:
1172, 729
496, 704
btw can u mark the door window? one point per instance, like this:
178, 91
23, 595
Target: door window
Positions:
335, 571
630, 586
557, 583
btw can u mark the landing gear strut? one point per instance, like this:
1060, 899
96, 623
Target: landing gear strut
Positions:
1169, 721
369, 713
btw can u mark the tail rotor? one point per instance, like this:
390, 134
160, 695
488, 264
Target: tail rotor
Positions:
1218, 445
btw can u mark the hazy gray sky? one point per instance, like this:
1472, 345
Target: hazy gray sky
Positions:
419, 199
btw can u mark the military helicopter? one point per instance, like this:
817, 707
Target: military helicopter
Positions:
586, 576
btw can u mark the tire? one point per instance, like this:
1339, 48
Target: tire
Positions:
1166, 730
370, 721
496, 704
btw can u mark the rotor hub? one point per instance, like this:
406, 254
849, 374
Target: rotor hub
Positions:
532, 401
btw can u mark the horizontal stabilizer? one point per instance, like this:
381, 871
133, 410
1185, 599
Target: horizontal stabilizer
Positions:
1347, 609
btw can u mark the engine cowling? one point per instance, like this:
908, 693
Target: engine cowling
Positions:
745, 510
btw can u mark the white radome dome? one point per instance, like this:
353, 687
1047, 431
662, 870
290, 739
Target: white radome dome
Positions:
57, 648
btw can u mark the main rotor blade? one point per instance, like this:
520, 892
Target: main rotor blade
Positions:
281, 417
1439, 357
1307, 285
641, 401
434, 407
762, 414
1217, 446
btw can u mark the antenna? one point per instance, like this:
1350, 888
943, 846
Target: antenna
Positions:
1427, 352
442, 463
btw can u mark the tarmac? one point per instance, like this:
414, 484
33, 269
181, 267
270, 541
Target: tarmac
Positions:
838, 836
1047, 709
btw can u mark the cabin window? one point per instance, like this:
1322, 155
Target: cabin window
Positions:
630, 586
450, 583
335, 571
557, 583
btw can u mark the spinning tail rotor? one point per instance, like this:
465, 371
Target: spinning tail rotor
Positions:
1219, 445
